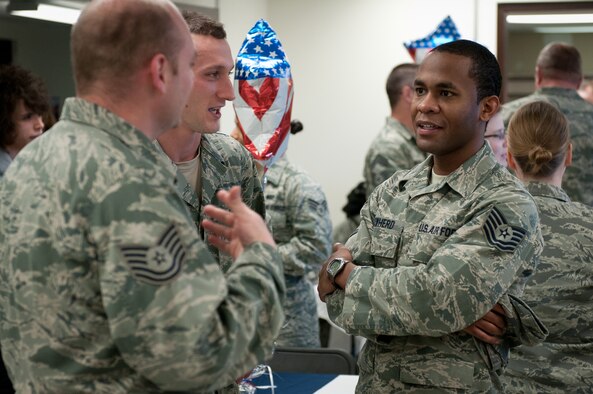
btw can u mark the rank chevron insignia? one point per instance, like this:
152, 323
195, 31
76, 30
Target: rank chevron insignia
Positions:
500, 234
156, 264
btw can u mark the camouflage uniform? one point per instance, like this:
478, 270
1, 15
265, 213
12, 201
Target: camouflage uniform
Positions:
5, 161
561, 293
302, 230
224, 163
392, 150
578, 178
105, 286
442, 255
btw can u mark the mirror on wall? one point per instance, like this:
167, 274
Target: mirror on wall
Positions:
524, 29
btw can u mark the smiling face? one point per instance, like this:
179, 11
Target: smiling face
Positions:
212, 86
448, 119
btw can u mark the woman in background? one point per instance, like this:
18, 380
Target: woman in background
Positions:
23, 102
561, 290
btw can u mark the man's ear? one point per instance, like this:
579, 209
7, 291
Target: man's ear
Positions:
158, 72
488, 107
408, 93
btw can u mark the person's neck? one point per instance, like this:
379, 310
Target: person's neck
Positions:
181, 143
554, 179
556, 83
403, 116
11, 151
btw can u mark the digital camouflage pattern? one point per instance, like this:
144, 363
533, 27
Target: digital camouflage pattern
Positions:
434, 259
578, 178
224, 163
105, 285
561, 293
393, 149
301, 226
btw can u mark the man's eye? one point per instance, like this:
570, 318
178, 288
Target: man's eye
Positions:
446, 93
419, 91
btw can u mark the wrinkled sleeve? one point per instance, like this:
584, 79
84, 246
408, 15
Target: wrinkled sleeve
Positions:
310, 242
458, 285
193, 329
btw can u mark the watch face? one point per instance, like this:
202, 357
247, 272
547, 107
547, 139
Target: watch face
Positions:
334, 265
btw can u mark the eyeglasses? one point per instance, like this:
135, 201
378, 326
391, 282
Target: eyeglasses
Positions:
496, 134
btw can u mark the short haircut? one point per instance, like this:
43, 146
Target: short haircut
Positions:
17, 83
114, 39
202, 25
562, 61
484, 70
538, 138
401, 75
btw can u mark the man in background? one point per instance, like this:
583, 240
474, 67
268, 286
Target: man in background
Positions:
558, 75
207, 161
105, 285
394, 148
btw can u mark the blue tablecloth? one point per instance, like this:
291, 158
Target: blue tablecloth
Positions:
294, 383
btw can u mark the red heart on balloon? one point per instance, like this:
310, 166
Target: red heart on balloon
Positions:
260, 101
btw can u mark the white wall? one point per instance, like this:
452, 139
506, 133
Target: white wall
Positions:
341, 52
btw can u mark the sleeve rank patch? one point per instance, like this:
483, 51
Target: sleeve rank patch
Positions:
500, 234
158, 264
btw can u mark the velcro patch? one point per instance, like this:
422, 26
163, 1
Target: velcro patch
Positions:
157, 264
500, 234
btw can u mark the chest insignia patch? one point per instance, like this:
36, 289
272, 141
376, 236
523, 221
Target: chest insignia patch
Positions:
500, 234
156, 264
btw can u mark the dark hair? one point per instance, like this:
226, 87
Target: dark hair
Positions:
356, 200
538, 138
202, 25
113, 40
485, 70
401, 75
17, 83
296, 126
560, 61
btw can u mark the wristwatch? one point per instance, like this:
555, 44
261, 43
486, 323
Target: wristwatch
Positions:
334, 268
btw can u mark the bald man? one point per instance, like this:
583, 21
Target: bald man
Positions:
105, 284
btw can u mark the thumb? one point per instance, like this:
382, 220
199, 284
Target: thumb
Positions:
231, 198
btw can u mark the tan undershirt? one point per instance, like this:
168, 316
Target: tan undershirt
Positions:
436, 178
191, 172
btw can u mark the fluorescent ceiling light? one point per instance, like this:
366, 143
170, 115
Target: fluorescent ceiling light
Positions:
52, 13
550, 18
563, 29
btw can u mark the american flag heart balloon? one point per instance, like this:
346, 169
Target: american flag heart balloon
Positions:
263, 94
445, 32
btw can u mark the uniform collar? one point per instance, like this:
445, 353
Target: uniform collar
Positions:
82, 111
399, 128
558, 92
539, 189
463, 180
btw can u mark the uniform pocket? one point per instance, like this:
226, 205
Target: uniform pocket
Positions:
446, 373
385, 246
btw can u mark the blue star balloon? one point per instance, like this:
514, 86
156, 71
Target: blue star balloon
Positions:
446, 31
